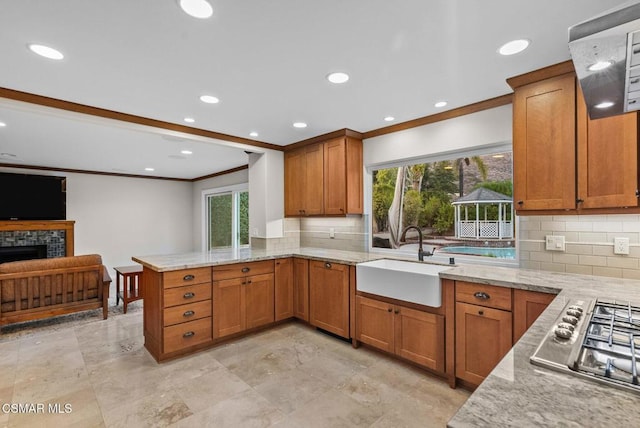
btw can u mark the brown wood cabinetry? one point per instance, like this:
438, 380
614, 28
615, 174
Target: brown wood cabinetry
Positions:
324, 178
411, 334
527, 307
483, 329
177, 316
562, 160
283, 288
301, 289
304, 181
243, 297
329, 297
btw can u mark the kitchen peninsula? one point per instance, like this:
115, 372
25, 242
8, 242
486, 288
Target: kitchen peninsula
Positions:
515, 392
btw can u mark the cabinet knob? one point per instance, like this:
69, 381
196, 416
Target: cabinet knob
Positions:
481, 295
481, 312
520, 203
189, 295
327, 265
188, 334
579, 201
188, 277
188, 314
249, 282
389, 310
397, 311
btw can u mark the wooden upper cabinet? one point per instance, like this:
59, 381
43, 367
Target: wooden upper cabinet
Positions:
324, 178
607, 159
544, 137
562, 160
304, 181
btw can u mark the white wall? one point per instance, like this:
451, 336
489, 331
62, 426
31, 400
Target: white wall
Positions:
120, 217
472, 131
266, 194
238, 177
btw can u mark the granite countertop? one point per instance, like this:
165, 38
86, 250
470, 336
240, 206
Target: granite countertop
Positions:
516, 393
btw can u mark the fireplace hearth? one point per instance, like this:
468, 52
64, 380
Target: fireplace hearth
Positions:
25, 252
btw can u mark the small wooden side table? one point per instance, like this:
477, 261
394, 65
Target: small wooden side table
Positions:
131, 284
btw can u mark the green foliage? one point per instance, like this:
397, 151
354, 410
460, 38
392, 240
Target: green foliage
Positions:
244, 218
412, 207
444, 218
505, 187
439, 180
220, 218
384, 182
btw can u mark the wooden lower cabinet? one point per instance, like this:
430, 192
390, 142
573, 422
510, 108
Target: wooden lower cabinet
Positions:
527, 307
283, 282
301, 289
483, 337
329, 297
411, 334
244, 302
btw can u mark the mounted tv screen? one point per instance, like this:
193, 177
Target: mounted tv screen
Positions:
32, 197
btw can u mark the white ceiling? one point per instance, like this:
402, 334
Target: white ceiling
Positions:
265, 60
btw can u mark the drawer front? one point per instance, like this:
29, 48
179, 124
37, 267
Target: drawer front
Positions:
238, 270
189, 294
185, 335
179, 278
188, 312
483, 295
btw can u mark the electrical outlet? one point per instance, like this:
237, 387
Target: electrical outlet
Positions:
554, 243
332, 232
621, 246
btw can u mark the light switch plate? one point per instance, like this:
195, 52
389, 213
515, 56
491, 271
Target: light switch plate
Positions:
621, 246
554, 243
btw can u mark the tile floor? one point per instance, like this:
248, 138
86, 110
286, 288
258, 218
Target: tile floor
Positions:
289, 376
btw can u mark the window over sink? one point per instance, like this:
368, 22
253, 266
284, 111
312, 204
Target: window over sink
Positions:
460, 202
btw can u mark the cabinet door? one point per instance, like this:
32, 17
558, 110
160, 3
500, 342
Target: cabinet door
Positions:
314, 180
283, 289
374, 325
527, 307
329, 297
228, 307
420, 337
607, 159
301, 289
483, 337
355, 180
335, 177
294, 182
259, 298
544, 145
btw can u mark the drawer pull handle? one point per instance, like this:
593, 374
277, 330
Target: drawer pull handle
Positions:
245, 269
189, 277
189, 295
188, 334
481, 295
327, 265
188, 314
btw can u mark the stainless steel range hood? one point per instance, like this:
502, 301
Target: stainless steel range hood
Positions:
606, 54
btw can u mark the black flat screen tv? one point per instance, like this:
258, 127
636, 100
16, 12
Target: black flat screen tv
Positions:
32, 197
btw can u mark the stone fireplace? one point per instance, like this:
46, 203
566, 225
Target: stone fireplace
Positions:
35, 239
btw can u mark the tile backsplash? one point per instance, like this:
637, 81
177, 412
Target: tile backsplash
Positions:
589, 244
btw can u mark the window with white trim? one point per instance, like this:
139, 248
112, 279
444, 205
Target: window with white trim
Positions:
226, 217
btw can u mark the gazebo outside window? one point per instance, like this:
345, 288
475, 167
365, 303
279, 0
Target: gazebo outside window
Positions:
486, 221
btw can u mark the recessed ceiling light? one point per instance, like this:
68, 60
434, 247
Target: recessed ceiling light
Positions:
197, 8
189, 120
604, 104
186, 152
513, 47
209, 99
2, 124
299, 125
600, 65
253, 134
149, 169
389, 119
337, 77
46, 51
440, 104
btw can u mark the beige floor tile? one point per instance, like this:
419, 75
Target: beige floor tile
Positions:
211, 388
159, 409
